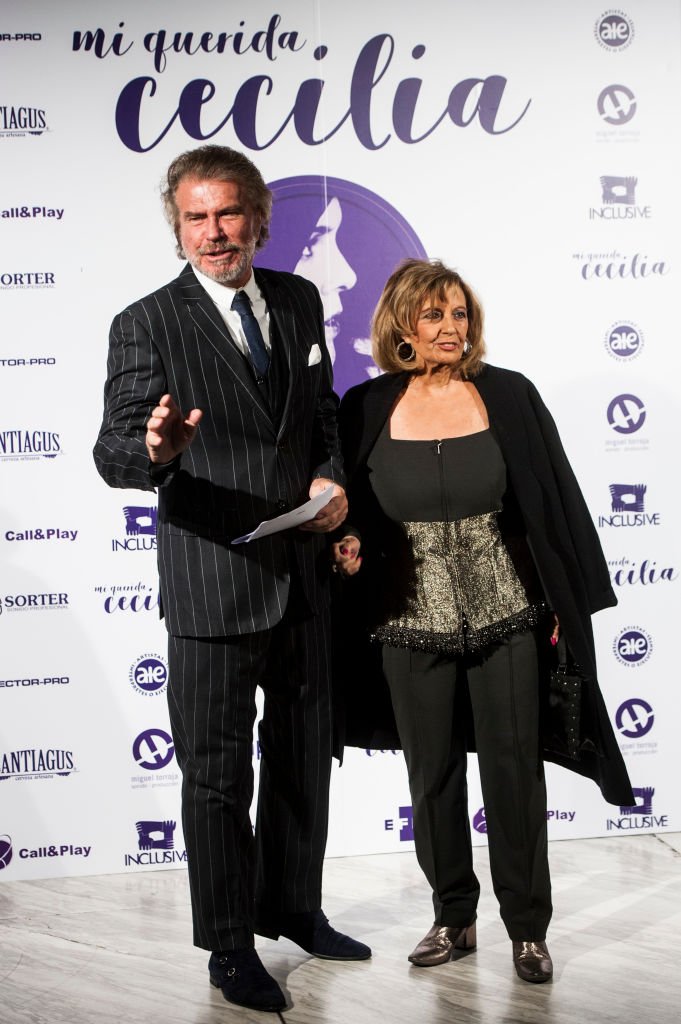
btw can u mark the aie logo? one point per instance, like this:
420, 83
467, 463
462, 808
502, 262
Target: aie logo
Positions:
616, 104
624, 340
632, 647
614, 30
634, 718
149, 675
480, 821
626, 414
153, 749
5, 851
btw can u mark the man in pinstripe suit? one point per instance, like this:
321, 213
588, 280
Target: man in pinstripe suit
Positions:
228, 411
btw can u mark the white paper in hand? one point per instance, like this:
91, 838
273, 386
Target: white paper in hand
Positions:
302, 514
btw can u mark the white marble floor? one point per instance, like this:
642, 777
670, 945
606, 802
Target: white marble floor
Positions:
117, 948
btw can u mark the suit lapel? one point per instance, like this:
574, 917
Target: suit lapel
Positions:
211, 327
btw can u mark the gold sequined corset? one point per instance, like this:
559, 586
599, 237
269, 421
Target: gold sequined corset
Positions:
458, 581
465, 593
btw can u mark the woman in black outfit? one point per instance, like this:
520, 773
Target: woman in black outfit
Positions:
477, 551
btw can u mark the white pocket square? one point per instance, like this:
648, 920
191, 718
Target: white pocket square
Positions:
315, 355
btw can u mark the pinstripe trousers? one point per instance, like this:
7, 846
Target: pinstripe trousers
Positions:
211, 699
432, 697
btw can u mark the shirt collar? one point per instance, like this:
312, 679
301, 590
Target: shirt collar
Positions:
222, 294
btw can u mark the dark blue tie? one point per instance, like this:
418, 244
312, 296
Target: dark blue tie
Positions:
241, 304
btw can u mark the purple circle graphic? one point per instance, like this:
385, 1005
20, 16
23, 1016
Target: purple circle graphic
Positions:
347, 240
5, 851
480, 821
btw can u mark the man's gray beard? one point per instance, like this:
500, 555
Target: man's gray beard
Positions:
229, 274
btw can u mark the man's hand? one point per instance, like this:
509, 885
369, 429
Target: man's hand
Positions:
169, 432
333, 513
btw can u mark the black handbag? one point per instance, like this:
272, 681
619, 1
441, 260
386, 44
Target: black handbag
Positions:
563, 726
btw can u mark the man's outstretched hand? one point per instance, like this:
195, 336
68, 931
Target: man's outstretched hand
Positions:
169, 431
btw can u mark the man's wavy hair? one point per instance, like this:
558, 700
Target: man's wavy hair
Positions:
218, 163
408, 289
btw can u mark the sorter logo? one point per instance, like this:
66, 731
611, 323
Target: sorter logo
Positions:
626, 414
140, 529
19, 121
32, 213
5, 851
634, 718
640, 815
156, 845
616, 104
11, 280
46, 602
20, 445
623, 340
627, 508
36, 763
614, 30
632, 646
153, 749
618, 196
149, 675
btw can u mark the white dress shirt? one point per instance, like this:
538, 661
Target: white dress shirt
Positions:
222, 295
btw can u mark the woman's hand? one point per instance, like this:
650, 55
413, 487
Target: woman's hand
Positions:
346, 557
556, 631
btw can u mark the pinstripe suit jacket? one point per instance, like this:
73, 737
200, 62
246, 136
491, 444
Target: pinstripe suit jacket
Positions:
241, 468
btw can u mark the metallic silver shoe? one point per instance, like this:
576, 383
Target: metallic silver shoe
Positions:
532, 961
437, 947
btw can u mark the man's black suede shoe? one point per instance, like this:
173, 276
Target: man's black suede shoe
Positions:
244, 981
313, 933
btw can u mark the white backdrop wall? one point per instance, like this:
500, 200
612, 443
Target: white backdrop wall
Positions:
533, 145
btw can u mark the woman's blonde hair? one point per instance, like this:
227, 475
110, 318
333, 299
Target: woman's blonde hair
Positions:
406, 291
